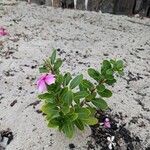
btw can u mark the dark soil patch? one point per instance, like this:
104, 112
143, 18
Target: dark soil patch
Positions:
123, 140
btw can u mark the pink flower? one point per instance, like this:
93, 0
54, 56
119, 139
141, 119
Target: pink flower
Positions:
46, 79
3, 31
107, 123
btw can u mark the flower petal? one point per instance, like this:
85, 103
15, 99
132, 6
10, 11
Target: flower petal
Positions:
112, 138
108, 138
3, 31
107, 124
110, 146
50, 79
106, 119
41, 86
41, 79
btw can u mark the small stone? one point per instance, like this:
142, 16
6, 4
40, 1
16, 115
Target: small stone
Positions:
20, 88
13, 103
71, 146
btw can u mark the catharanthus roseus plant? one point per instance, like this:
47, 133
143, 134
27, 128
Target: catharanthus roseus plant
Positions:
71, 102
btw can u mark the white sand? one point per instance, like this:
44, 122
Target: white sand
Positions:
34, 31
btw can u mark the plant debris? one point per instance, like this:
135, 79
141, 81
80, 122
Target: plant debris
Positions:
6, 136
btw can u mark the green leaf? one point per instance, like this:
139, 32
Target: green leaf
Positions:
54, 88
79, 124
112, 61
92, 110
119, 64
65, 109
53, 56
94, 74
68, 129
110, 82
91, 96
43, 70
57, 64
90, 121
82, 88
50, 110
45, 96
81, 94
71, 117
59, 79
100, 88
67, 78
87, 84
83, 113
106, 93
109, 72
49, 98
100, 103
54, 123
109, 77
63, 92
106, 64
76, 81
68, 97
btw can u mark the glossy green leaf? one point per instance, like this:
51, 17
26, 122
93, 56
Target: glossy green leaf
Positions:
63, 92
67, 78
106, 93
94, 74
87, 84
119, 64
54, 123
90, 96
110, 82
65, 109
76, 81
83, 113
71, 117
50, 110
109, 77
68, 129
80, 94
109, 72
79, 124
43, 70
53, 56
90, 121
44, 96
82, 88
68, 97
59, 79
106, 64
100, 103
57, 64
100, 88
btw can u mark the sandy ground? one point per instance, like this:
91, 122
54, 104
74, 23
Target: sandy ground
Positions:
85, 39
